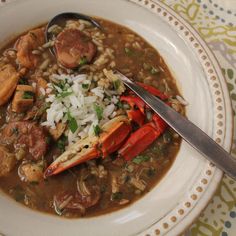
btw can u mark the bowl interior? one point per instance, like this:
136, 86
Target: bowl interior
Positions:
191, 79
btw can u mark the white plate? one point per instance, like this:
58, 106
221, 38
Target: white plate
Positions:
190, 183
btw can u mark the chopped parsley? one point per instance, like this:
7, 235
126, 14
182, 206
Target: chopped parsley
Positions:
167, 137
99, 111
85, 86
64, 94
116, 196
97, 130
61, 85
120, 105
140, 158
61, 143
23, 81
83, 61
28, 95
116, 84
128, 51
72, 123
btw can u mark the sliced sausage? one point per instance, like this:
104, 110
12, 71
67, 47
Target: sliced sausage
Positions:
74, 48
76, 202
7, 161
26, 44
28, 135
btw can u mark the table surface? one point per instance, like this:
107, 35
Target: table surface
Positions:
215, 20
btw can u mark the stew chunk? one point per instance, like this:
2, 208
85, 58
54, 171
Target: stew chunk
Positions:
31, 172
76, 201
23, 98
74, 48
26, 44
7, 161
8, 79
27, 135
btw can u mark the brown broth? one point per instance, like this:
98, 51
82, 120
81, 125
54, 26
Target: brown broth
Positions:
142, 65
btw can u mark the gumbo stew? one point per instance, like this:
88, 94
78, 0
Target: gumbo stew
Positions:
73, 140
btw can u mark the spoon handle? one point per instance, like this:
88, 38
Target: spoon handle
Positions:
186, 129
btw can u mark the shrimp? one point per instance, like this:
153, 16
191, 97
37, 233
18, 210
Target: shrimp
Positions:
26, 44
9, 78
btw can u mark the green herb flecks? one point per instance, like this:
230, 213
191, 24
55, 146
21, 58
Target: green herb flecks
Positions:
167, 137
61, 143
99, 111
116, 196
97, 130
160, 149
64, 94
140, 158
116, 84
23, 81
128, 51
72, 123
85, 86
62, 85
120, 105
83, 61
28, 95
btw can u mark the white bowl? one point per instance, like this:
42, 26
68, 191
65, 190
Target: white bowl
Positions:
191, 181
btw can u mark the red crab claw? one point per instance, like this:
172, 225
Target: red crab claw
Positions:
137, 116
114, 133
142, 138
153, 91
159, 123
134, 101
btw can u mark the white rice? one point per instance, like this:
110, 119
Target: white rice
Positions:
78, 101
42, 91
109, 110
182, 100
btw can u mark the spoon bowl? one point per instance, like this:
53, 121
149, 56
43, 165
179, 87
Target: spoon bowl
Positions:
61, 19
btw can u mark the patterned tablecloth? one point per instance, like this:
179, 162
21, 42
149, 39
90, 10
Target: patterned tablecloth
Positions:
215, 20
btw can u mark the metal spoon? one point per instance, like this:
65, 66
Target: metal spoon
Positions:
186, 129
61, 19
